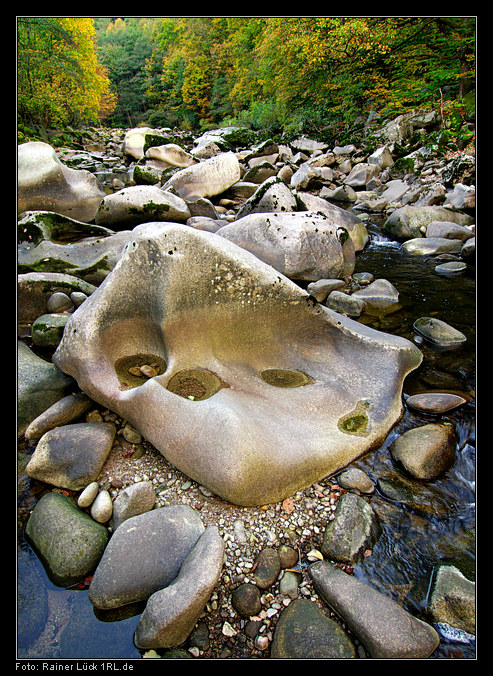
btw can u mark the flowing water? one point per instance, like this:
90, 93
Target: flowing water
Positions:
431, 523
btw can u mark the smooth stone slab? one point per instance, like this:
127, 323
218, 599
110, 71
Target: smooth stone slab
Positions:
438, 332
386, 630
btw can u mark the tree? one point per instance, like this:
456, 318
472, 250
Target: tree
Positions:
59, 78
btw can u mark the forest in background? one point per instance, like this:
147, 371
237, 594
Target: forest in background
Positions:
315, 75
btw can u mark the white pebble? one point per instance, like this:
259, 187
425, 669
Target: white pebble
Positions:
102, 507
88, 495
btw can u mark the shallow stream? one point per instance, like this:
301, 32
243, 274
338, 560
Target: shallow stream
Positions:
425, 524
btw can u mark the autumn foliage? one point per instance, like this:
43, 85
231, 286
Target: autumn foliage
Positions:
304, 73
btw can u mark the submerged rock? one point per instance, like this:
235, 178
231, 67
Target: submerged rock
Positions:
247, 399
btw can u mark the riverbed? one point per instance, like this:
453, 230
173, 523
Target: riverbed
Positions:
427, 524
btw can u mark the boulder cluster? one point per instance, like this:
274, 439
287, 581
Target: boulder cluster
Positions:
273, 230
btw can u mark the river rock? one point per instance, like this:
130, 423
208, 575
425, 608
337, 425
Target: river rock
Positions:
71, 456
134, 141
34, 289
360, 174
272, 195
68, 542
245, 599
102, 507
345, 303
407, 222
300, 245
164, 536
39, 385
435, 402
207, 178
304, 632
88, 495
135, 499
431, 246
268, 567
172, 612
453, 599
91, 258
170, 155
451, 268
321, 288
386, 630
425, 452
355, 479
44, 183
337, 217
48, 329
448, 230
62, 412
355, 529
382, 157
379, 294
438, 332
217, 389
140, 204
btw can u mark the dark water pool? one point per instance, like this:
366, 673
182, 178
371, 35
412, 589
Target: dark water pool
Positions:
434, 524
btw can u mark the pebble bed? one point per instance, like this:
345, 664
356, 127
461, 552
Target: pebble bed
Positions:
298, 521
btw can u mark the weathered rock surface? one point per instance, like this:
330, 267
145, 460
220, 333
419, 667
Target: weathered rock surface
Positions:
222, 354
44, 183
301, 245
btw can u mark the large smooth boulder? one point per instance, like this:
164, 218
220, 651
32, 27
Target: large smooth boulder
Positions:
207, 178
302, 245
411, 221
136, 204
44, 183
255, 390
